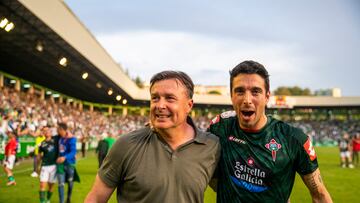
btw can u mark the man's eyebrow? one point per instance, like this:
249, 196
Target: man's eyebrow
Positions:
154, 94
170, 95
237, 89
256, 89
166, 94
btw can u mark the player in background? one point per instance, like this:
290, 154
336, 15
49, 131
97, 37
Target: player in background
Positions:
48, 153
10, 155
345, 148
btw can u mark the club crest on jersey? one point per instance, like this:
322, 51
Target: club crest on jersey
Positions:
273, 146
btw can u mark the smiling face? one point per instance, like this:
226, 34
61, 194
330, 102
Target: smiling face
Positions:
169, 104
249, 98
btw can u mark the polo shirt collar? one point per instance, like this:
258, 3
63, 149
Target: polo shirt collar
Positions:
200, 136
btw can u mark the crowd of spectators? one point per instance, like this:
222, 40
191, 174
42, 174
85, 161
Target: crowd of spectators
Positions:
328, 132
26, 113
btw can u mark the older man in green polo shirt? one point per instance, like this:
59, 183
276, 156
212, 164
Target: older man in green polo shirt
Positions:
169, 161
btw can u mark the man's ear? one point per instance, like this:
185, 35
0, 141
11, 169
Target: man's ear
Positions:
267, 96
190, 105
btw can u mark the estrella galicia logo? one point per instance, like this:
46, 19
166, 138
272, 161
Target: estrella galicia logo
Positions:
249, 176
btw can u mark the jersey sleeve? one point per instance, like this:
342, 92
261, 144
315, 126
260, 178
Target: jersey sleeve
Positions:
214, 125
305, 155
219, 125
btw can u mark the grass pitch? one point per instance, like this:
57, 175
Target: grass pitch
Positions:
343, 184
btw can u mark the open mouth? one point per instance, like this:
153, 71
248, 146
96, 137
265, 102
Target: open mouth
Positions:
247, 114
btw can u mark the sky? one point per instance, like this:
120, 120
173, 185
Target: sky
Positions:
311, 44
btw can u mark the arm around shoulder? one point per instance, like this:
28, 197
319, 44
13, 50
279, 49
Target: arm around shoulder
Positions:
318, 191
99, 193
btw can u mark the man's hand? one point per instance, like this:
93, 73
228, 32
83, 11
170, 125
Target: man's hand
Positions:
60, 160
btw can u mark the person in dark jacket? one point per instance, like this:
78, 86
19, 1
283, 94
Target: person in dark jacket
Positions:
102, 149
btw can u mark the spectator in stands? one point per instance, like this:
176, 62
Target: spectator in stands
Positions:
356, 148
66, 170
102, 148
171, 161
48, 153
345, 150
10, 153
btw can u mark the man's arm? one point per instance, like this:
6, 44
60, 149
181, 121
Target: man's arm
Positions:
99, 193
314, 183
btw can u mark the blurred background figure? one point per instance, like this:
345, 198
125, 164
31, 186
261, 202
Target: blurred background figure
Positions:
102, 148
48, 152
10, 154
356, 148
66, 162
84, 140
345, 151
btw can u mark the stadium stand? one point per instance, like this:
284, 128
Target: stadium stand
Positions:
26, 113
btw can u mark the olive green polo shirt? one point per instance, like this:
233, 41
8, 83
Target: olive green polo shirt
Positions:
145, 169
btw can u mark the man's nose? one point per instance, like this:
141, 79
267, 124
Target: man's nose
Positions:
247, 98
161, 104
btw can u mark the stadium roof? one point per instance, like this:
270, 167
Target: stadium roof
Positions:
46, 31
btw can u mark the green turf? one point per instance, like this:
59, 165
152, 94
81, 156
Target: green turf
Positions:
341, 183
